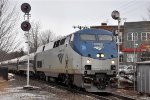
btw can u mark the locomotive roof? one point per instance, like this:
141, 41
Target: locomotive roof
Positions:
46, 47
50, 44
96, 31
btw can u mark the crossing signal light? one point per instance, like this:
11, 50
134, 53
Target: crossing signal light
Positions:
25, 7
25, 26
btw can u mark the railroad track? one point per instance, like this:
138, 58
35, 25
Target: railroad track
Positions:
114, 96
99, 96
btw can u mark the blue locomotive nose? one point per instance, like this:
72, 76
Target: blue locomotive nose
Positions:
96, 50
88, 45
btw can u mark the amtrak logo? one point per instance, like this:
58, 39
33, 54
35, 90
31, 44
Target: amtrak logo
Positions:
98, 46
83, 47
60, 56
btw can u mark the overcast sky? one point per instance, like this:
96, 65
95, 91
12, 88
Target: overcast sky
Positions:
60, 15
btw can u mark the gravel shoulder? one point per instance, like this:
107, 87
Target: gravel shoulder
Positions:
13, 90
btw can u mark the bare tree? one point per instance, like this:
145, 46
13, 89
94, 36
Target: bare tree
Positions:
38, 38
148, 15
34, 36
8, 19
148, 10
46, 37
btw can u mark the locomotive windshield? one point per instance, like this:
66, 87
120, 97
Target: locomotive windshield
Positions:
105, 37
88, 37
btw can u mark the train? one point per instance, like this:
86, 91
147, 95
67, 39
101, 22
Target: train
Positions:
86, 58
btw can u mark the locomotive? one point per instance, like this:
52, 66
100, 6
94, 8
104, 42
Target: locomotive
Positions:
86, 58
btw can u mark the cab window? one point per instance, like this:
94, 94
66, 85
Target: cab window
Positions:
39, 64
87, 37
105, 37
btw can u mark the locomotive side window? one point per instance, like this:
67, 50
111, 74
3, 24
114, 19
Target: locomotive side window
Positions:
105, 37
39, 64
43, 48
87, 37
62, 41
22, 62
56, 44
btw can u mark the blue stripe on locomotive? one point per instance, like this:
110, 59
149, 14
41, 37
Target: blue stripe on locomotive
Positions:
86, 48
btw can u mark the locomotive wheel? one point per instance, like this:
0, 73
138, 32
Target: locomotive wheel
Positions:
69, 81
42, 76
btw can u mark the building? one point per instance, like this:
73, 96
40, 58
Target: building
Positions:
134, 41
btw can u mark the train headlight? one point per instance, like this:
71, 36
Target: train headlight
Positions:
102, 55
97, 55
112, 62
88, 61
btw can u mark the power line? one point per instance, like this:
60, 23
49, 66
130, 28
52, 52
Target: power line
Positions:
128, 7
135, 9
125, 5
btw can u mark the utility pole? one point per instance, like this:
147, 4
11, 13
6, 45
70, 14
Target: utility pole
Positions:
116, 16
134, 65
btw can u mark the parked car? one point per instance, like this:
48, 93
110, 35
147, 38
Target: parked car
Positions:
126, 70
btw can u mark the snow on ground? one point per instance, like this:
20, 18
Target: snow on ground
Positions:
18, 93
13, 90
